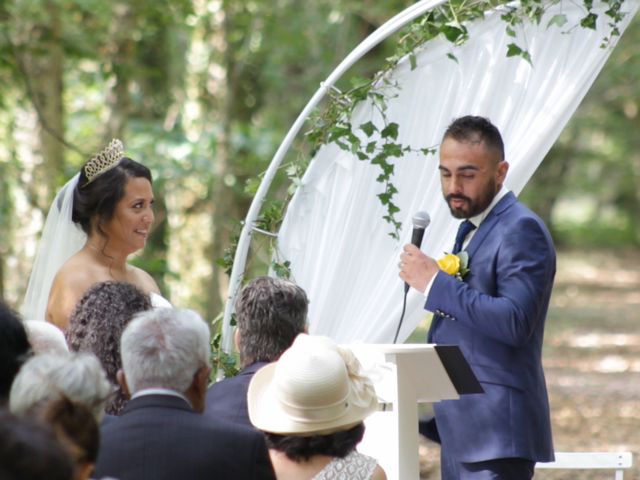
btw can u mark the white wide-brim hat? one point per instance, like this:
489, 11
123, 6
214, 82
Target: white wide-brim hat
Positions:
315, 388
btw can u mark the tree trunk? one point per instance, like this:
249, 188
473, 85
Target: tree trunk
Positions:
121, 47
43, 64
221, 195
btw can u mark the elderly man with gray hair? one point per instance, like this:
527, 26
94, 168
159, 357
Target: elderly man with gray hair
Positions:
161, 434
270, 314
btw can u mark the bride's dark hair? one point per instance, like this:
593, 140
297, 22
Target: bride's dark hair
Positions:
100, 196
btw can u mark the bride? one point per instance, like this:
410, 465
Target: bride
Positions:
99, 218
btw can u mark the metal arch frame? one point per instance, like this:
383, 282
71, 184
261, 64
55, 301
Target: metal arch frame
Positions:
240, 258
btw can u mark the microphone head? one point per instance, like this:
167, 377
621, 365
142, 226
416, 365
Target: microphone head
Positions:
421, 220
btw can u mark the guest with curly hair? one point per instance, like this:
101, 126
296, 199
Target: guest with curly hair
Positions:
96, 326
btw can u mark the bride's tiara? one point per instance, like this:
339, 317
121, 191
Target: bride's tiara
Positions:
104, 161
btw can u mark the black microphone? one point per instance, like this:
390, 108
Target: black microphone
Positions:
420, 221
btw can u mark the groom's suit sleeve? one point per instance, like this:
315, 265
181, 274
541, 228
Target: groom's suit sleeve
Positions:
503, 294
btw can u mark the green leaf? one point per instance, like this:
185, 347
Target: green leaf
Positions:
454, 32
589, 21
384, 198
513, 50
291, 170
428, 151
378, 159
371, 146
357, 82
390, 131
412, 60
387, 168
392, 150
252, 184
393, 209
343, 146
282, 270
510, 31
452, 57
558, 20
338, 132
368, 128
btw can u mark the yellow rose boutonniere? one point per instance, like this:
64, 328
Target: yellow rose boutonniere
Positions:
455, 264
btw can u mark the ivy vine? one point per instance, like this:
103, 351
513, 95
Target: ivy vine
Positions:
380, 147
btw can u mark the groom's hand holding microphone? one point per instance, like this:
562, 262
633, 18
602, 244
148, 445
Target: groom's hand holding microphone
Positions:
416, 268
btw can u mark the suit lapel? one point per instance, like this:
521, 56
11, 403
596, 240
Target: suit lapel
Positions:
489, 222
485, 227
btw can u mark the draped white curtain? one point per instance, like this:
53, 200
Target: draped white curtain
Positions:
333, 232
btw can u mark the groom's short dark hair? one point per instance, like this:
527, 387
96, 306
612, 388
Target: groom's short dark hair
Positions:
474, 129
270, 313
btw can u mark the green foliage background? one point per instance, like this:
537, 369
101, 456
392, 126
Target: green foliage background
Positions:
203, 91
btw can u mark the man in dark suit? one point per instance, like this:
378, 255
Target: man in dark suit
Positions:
495, 313
270, 313
161, 434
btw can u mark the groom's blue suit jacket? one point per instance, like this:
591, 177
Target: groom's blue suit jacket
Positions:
496, 316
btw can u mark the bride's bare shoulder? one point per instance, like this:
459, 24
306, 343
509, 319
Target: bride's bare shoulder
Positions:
78, 271
143, 280
73, 279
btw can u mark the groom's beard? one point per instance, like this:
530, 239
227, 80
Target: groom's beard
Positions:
472, 207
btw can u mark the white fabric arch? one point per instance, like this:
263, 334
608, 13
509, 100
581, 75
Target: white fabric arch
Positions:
333, 232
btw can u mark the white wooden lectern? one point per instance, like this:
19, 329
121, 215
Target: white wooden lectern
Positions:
405, 375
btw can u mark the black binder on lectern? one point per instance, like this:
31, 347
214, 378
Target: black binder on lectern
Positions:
458, 369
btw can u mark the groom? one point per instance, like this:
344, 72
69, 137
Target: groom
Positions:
496, 313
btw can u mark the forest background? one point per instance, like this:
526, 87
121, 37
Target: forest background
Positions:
203, 91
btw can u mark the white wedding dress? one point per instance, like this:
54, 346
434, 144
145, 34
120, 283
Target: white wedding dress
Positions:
158, 301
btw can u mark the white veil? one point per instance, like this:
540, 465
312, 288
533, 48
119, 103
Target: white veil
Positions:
61, 238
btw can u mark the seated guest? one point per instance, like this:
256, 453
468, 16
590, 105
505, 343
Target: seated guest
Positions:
311, 405
77, 430
270, 313
45, 337
47, 376
161, 434
14, 349
29, 451
96, 326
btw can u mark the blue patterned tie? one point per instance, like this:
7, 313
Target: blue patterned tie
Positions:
463, 230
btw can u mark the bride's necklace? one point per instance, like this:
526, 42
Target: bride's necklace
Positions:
107, 261
94, 248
